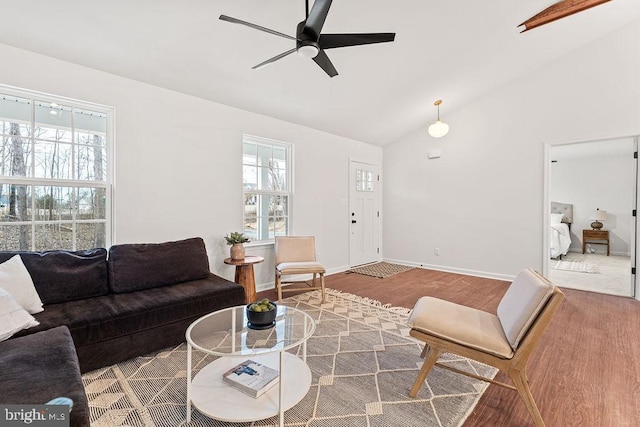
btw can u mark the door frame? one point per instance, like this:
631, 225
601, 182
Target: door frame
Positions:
635, 286
378, 204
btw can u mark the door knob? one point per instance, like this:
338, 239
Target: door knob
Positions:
353, 221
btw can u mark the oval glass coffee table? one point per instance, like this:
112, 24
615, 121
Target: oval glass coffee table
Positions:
225, 333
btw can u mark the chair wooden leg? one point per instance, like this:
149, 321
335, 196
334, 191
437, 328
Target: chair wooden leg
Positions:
279, 287
521, 383
424, 351
429, 362
322, 285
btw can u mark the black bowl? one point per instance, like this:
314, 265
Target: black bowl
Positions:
261, 319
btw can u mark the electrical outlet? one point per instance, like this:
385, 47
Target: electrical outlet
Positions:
436, 251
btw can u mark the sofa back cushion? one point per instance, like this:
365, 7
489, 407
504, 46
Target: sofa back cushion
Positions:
134, 267
61, 276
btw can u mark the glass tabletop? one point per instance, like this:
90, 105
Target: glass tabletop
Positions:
225, 332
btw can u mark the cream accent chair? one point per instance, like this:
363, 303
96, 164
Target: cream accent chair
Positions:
297, 255
505, 341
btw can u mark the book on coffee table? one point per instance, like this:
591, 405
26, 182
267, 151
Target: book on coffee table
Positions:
251, 377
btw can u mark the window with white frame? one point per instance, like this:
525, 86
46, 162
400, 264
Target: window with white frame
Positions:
55, 179
266, 177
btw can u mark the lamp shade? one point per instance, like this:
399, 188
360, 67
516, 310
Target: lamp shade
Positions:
599, 215
438, 129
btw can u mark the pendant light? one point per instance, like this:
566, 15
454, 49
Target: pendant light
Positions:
438, 129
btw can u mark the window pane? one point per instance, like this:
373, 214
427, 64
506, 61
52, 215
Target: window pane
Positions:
15, 237
90, 123
14, 202
52, 160
249, 155
91, 163
250, 177
53, 203
90, 236
92, 203
15, 150
264, 155
15, 109
53, 120
58, 236
251, 228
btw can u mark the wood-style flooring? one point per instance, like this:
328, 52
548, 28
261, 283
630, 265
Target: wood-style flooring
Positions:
584, 372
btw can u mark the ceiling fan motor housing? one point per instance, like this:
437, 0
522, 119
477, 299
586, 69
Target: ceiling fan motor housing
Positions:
306, 46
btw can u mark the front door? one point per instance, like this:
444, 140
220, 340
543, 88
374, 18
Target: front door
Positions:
364, 214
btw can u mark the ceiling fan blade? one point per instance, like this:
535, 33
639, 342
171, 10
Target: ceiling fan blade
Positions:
331, 41
254, 26
316, 18
325, 63
274, 59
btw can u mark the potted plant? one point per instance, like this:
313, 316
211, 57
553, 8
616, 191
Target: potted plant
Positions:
236, 240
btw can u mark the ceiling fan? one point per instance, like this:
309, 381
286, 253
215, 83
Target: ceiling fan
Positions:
311, 43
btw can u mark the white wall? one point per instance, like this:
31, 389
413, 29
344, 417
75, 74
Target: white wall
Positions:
178, 162
605, 182
481, 203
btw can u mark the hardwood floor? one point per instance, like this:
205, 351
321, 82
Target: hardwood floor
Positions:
584, 372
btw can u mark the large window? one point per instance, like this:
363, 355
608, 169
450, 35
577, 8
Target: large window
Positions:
55, 175
266, 173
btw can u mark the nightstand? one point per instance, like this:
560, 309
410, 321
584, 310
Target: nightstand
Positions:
595, 237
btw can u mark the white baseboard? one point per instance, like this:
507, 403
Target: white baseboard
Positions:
447, 269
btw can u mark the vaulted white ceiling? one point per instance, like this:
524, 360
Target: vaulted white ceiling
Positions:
450, 50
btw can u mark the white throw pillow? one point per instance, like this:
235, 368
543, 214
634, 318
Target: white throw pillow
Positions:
13, 318
15, 279
556, 219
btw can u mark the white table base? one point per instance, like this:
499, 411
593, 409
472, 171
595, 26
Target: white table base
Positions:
216, 399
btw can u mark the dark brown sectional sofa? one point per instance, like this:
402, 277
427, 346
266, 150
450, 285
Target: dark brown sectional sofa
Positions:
129, 301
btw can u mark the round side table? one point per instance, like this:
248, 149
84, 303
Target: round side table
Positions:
244, 275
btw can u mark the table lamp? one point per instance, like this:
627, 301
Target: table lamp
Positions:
598, 216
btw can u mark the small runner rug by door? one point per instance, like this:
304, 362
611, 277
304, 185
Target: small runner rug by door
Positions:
380, 269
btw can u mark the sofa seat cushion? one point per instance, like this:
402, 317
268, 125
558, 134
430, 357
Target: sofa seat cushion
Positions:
134, 267
61, 276
108, 317
40, 367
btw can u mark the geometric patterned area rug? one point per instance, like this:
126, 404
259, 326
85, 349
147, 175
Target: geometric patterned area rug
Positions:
380, 269
578, 266
363, 363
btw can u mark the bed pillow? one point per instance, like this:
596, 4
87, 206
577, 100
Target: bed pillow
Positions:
16, 280
556, 219
13, 317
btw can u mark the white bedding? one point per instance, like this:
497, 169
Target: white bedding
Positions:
560, 239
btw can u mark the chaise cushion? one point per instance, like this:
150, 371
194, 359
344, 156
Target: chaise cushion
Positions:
61, 276
40, 367
134, 267
520, 305
463, 325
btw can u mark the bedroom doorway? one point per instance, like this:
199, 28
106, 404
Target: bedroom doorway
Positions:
592, 180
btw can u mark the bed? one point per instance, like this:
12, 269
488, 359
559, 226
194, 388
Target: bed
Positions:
561, 218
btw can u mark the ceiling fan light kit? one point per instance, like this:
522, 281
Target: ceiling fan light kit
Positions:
439, 128
311, 43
